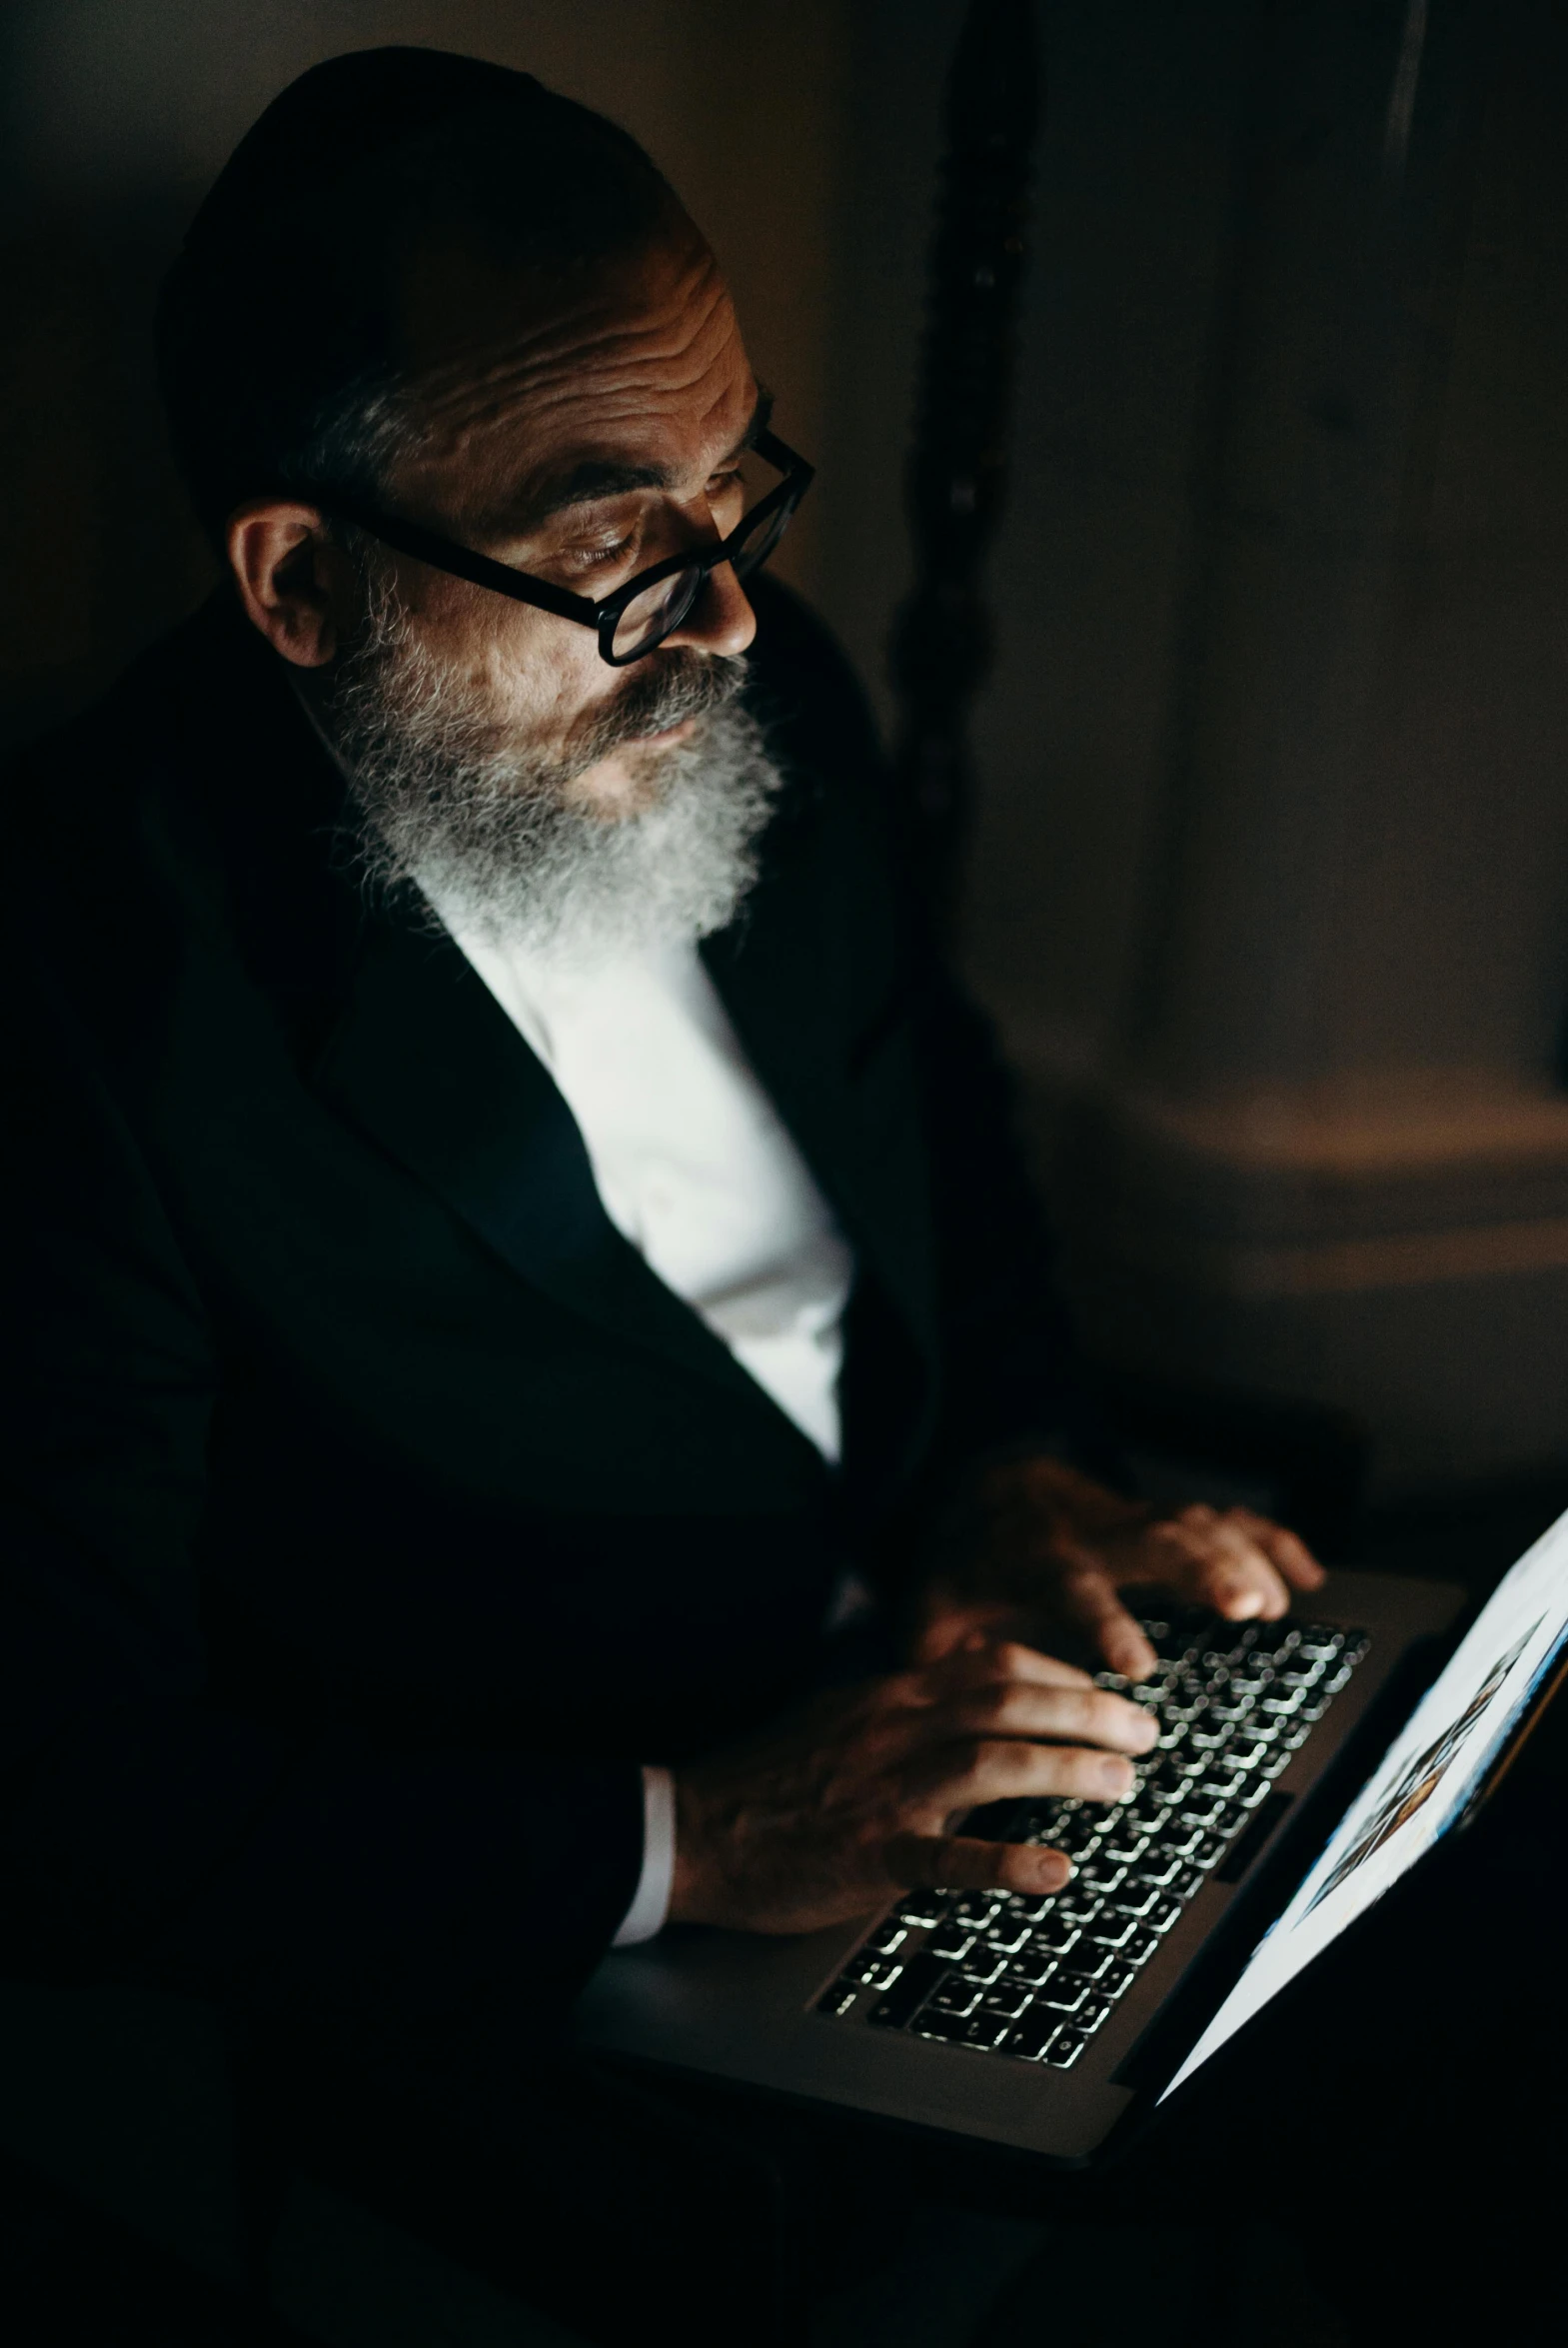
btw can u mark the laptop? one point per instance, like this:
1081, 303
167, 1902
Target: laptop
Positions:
1303, 1766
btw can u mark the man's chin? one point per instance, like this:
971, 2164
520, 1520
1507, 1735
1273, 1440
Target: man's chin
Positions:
630, 780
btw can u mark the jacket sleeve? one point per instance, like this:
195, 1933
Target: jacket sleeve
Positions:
148, 1832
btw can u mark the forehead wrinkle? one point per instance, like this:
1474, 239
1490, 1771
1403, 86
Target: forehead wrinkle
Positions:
457, 397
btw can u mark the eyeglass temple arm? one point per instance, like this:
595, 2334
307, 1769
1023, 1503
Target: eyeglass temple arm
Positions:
445, 554
774, 452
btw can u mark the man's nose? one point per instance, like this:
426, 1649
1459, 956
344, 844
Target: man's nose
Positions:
721, 619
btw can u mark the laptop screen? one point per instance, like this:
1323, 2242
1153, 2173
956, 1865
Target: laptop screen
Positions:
1423, 1782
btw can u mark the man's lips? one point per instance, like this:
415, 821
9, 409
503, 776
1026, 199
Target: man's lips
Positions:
676, 733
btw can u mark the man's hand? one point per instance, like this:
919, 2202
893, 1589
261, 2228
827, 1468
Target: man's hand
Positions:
1042, 1549
825, 1816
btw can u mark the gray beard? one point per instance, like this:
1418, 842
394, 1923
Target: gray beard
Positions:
484, 830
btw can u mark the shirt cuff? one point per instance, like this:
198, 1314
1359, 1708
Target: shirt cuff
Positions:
650, 1902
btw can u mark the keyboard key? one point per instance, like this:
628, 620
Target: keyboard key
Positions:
1064, 1994
1188, 1884
888, 1941
1030, 1971
1007, 1935
1136, 1899
919, 1979
955, 1996
1111, 1931
1181, 1845
1210, 1736
1076, 1832
1209, 1852
1156, 1872
1139, 1952
1008, 2002
1079, 1910
1098, 2010
839, 1998
1065, 2049
976, 1909
1089, 1962
951, 1945
1118, 1982
1035, 2034
982, 1967
1057, 1937
934, 2025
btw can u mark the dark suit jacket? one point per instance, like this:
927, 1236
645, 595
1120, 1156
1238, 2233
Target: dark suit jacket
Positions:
371, 1508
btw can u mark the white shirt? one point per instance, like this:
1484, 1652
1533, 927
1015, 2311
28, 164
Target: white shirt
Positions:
693, 1166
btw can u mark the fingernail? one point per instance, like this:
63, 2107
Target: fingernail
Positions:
1117, 1776
1055, 1871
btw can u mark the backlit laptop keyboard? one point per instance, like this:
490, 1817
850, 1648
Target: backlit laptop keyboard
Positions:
1035, 1978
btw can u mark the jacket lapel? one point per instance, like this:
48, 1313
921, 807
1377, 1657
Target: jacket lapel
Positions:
425, 1059
420, 1055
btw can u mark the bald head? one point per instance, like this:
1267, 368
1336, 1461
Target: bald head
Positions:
535, 394
282, 327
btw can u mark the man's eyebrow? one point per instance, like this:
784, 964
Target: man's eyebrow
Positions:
603, 477
594, 476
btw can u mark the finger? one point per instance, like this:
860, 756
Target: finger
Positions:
1073, 1716
1284, 1549
996, 1659
960, 1863
993, 1770
954, 1629
1212, 1559
1087, 1594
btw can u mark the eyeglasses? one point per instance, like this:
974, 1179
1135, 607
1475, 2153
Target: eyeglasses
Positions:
649, 607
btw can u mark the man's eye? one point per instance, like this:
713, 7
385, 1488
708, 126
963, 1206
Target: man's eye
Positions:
591, 558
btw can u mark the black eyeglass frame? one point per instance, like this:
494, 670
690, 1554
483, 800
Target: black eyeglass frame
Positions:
460, 562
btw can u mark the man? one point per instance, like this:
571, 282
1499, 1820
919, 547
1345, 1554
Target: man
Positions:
514, 1235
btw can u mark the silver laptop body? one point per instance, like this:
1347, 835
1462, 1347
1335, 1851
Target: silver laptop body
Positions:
751, 2010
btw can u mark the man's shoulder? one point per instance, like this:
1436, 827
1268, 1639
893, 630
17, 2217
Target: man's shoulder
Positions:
151, 814
194, 687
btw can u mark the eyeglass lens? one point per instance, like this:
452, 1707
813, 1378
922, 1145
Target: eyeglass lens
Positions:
754, 551
659, 608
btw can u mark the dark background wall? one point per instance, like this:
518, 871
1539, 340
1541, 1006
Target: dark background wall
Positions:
1270, 862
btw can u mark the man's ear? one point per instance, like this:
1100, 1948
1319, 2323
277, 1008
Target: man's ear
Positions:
294, 583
